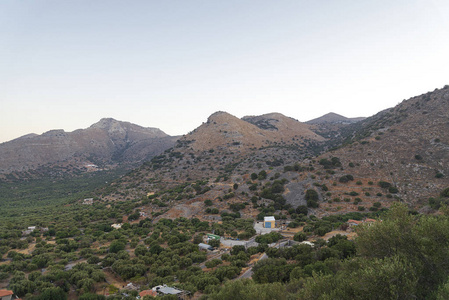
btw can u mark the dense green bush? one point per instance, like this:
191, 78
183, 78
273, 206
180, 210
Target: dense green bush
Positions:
346, 178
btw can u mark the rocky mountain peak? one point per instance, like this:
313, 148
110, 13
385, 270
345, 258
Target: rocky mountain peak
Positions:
105, 123
107, 142
221, 117
334, 118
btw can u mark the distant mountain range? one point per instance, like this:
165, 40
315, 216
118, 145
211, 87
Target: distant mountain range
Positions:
406, 146
109, 143
106, 144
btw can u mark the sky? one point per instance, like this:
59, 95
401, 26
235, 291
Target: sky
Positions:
171, 63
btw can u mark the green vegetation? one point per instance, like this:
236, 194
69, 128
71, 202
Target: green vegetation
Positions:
312, 198
399, 258
402, 257
346, 178
330, 164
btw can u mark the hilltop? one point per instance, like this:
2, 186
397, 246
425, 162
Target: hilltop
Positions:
225, 130
334, 118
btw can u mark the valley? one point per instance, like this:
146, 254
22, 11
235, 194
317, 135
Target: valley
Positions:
361, 204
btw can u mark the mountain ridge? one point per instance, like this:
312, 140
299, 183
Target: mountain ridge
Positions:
105, 143
334, 118
399, 154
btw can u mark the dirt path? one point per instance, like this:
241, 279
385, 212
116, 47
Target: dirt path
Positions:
350, 235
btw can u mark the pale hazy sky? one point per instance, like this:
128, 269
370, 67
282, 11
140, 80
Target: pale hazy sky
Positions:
170, 64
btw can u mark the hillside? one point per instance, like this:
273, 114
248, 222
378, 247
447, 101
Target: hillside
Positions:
146, 226
105, 144
406, 148
223, 130
407, 145
221, 152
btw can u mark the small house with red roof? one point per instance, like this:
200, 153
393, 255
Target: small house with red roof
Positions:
148, 293
6, 294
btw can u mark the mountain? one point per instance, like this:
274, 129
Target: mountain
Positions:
334, 118
407, 146
219, 153
225, 130
335, 128
399, 154
106, 144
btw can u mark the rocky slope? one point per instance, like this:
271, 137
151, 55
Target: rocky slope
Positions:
104, 144
261, 165
222, 152
223, 130
407, 145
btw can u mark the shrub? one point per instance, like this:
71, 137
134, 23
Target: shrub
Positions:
312, 204
445, 193
300, 236
346, 178
262, 175
393, 189
302, 209
311, 195
377, 204
116, 246
384, 184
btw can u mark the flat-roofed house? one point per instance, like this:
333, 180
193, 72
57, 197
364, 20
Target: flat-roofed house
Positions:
269, 222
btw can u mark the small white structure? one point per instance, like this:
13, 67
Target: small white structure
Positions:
307, 243
203, 246
269, 222
32, 228
167, 290
117, 226
88, 201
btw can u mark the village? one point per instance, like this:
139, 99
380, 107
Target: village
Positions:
214, 246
